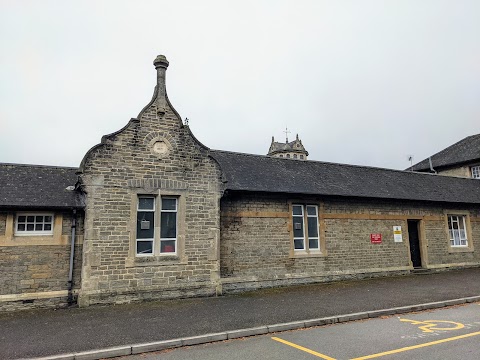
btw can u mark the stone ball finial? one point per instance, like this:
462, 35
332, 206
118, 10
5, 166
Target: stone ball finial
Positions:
160, 61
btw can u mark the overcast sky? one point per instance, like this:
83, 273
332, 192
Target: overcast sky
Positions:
361, 82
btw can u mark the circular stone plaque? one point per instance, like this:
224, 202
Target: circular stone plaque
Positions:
160, 148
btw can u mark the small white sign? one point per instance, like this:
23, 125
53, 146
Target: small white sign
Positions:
397, 234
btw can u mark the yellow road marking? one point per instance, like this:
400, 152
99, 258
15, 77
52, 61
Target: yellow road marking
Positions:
431, 325
303, 348
417, 346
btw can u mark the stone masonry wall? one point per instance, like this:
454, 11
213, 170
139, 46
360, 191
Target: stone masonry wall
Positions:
256, 245
155, 155
463, 171
38, 269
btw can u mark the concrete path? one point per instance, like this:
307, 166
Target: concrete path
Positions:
39, 333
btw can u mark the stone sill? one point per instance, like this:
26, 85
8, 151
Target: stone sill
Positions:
466, 249
154, 261
303, 255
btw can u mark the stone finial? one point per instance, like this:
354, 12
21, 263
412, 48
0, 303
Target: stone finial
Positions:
161, 64
273, 139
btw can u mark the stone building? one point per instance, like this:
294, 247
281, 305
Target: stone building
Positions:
160, 215
460, 159
290, 150
40, 211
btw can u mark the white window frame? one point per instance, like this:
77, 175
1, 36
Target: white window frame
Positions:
475, 172
302, 216
460, 220
146, 239
34, 232
157, 211
317, 226
306, 237
176, 226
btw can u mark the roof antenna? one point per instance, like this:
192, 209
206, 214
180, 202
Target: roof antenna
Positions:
286, 135
410, 158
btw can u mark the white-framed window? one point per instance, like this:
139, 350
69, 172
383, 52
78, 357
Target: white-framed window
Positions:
457, 230
305, 228
168, 225
145, 226
148, 242
476, 172
34, 224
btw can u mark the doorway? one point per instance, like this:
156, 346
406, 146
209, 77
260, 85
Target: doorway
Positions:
414, 239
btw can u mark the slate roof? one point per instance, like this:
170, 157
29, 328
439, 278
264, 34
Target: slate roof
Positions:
36, 186
245, 172
464, 151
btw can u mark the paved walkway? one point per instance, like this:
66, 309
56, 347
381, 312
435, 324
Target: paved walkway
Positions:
38, 333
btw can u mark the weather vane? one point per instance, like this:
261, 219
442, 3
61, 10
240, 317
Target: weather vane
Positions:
286, 134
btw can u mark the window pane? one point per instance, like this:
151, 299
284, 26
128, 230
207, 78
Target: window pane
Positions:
21, 227
38, 219
297, 210
311, 210
146, 203
169, 204
298, 244
31, 218
22, 218
30, 227
298, 227
167, 246
38, 227
168, 225
313, 244
145, 224
48, 219
47, 227
144, 247
312, 227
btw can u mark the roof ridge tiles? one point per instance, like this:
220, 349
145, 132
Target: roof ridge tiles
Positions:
40, 166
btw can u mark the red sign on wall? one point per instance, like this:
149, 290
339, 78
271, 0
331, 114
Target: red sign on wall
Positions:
376, 238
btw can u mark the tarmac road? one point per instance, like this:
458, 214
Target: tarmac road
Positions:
39, 333
451, 333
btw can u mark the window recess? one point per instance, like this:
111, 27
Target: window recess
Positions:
34, 224
157, 231
457, 230
305, 228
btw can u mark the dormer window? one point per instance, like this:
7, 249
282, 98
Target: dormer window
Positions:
476, 172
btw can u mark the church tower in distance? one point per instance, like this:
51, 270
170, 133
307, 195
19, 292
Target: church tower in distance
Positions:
290, 150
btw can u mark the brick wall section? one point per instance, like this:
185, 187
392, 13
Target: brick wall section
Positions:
255, 251
114, 174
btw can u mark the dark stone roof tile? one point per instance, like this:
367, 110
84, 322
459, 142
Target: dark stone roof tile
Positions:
464, 151
36, 186
245, 172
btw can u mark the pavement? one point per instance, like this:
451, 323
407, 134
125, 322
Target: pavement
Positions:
103, 331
